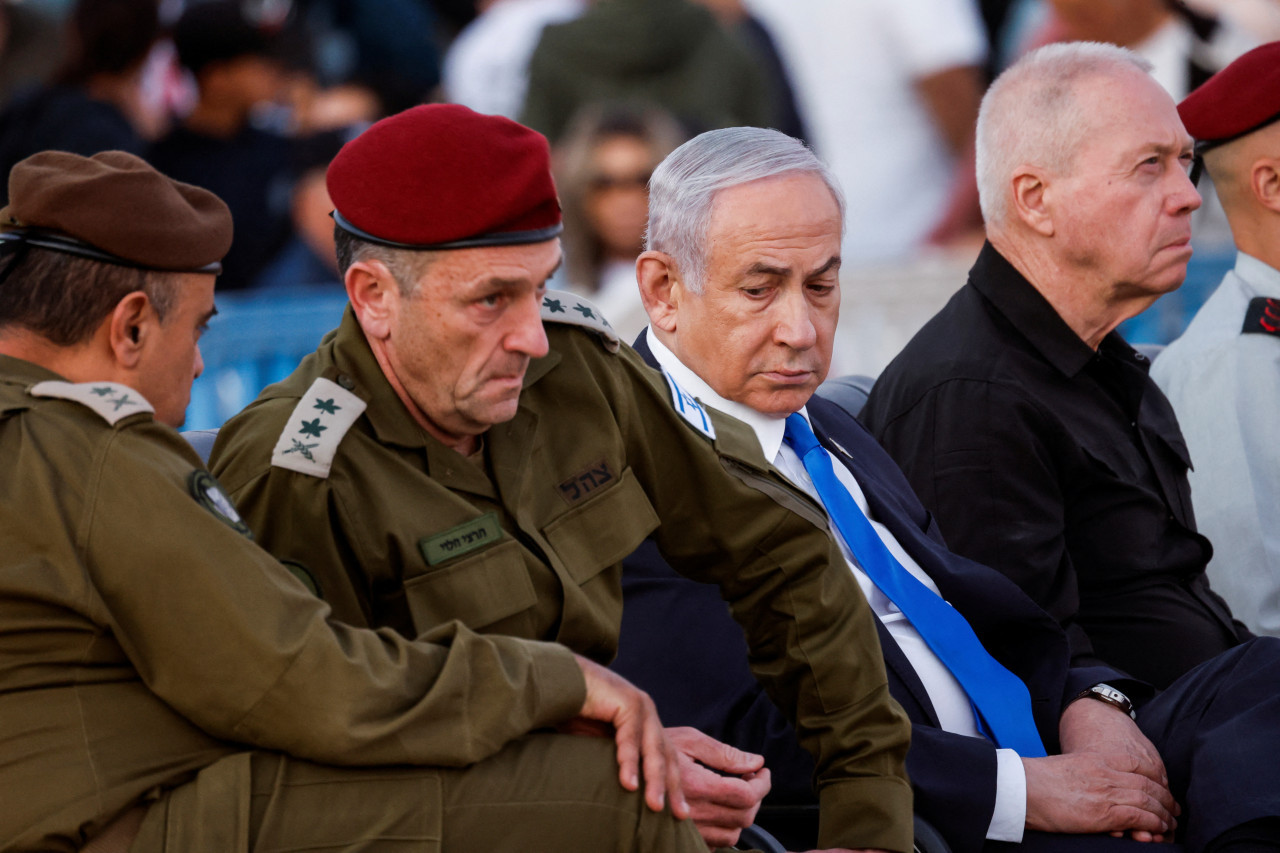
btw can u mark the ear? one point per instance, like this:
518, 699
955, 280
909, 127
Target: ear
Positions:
374, 296
129, 327
660, 289
1032, 199
1264, 180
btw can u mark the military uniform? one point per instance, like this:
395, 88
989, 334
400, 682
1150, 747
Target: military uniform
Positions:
526, 538
149, 646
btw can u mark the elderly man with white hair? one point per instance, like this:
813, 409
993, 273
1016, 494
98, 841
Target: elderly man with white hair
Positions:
1007, 742
1023, 420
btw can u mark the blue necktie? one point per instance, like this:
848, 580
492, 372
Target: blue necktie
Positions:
999, 697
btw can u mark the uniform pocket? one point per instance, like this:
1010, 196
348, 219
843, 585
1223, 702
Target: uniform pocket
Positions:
601, 531
477, 590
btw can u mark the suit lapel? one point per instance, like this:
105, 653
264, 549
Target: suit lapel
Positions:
1000, 613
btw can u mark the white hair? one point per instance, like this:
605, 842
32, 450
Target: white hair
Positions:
683, 187
1031, 115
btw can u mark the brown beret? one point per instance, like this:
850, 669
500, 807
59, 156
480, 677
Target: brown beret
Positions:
1237, 100
442, 176
115, 207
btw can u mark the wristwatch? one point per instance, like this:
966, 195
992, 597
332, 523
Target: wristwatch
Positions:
1107, 693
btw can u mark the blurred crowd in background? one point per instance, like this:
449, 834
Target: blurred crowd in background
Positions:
252, 98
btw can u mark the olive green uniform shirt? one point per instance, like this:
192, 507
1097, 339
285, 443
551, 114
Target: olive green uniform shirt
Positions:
143, 636
526, 539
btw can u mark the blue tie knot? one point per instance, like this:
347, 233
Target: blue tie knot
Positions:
798, 435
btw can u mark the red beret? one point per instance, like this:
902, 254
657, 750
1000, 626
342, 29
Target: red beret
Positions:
117, 208
1239, 99
442, 176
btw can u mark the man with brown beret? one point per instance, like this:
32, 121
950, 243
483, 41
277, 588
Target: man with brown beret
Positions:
165, 684
1223, 375
470, 448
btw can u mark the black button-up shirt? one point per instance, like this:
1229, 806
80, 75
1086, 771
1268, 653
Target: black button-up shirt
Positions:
1060, 466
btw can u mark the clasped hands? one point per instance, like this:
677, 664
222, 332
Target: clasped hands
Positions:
719, 787
1109, 778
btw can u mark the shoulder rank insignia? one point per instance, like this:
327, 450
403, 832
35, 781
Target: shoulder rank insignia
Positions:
559, 306
689, 407
1263, 317
112, 401
311, 435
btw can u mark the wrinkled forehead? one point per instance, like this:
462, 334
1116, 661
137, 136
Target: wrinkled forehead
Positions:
460, 271
1126, 112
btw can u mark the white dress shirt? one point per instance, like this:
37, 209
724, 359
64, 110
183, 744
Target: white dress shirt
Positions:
950, 702
1225, 390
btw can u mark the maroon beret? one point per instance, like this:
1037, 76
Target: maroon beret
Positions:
442, 176
1237, 100
115, 207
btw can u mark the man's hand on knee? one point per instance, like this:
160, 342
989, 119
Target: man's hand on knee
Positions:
723, 785
642, 744
1095, 792
1087, 726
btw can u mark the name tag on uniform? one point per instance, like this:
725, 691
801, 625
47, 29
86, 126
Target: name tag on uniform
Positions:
463, 539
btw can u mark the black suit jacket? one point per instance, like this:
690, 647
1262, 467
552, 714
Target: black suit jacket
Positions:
679, 643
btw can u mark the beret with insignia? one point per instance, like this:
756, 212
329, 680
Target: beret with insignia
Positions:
1237, 100
442, 176
117, 208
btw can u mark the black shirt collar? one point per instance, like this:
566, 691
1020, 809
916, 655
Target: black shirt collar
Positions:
1034, 318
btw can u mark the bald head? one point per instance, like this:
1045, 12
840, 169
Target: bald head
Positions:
1033, 115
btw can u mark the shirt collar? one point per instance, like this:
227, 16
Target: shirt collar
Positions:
1032, 315
1258, 273
768, 428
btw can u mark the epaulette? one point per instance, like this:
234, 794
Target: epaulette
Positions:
1263, 317
316, 427
110, 400
559, 306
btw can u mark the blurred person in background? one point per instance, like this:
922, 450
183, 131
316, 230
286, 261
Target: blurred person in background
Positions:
94, 102
889, 91
602, 173
672, 53
217, 146
1185, 47
1260, 17
487, 65
308, 257
31, 46
752, 33
387, 46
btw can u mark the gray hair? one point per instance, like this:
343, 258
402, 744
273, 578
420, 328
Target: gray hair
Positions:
1031, 114
407, 266
684, 186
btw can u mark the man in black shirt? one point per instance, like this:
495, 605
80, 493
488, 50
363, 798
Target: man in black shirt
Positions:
1022, 419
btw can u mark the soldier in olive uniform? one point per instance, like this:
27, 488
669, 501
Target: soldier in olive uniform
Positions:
165, 684
446, 457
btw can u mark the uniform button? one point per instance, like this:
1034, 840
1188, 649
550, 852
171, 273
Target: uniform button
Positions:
346, 381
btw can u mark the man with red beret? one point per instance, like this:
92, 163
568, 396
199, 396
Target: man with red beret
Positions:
470, 452
1223, 375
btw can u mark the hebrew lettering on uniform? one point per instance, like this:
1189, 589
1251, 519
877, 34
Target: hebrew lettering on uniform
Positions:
580, 485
